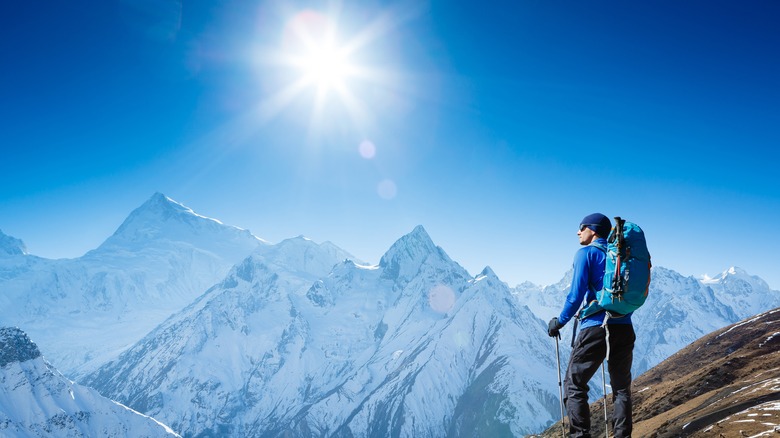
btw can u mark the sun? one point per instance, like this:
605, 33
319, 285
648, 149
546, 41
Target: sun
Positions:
326, 66
313, 48
335, 61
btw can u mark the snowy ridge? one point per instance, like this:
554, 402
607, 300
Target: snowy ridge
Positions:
414, 347
303, 256
11, 245
745, 293
36, 400
162, 220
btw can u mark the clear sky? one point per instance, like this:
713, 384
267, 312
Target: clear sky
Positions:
495, 125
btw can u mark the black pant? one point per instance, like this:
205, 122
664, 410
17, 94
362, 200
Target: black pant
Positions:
588, 354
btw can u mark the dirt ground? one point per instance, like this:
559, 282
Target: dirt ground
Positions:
726, 384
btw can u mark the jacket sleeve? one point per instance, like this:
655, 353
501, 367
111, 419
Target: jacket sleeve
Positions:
579, 287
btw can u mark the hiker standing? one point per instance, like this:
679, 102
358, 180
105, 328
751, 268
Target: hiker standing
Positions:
590, 348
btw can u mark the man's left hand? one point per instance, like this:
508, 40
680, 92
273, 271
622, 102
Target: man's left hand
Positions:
553, 328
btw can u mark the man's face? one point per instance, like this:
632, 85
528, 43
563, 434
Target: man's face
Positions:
586, 235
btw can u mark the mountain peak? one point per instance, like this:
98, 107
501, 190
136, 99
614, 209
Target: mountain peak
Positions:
11, 245
416, 246
488, 272
162, 218
16, 346
736, 271
420, 232
158, 197
732, 274
166, 207
145, 220
408, 253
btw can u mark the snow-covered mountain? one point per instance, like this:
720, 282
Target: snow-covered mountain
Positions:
85, 311
37, 401
234, 336
678, 311
10, 246
746, 294
285, 346
165, 223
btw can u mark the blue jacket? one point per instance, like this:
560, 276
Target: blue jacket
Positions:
588, 278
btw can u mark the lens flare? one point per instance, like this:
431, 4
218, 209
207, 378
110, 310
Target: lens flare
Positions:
441, 298
367, 149
304, 29
387, 189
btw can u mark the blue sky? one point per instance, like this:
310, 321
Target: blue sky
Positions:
497, 126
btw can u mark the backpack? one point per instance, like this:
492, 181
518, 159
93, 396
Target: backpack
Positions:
626, 273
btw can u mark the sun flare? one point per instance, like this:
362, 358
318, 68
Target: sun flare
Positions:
323, 56
326, 66
312, 45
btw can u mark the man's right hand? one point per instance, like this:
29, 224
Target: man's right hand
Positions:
553, 328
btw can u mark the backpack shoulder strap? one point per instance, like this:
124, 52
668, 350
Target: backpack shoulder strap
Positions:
591, 308
598, 245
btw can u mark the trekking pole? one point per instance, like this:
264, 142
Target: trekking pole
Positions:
560, 386
604, 382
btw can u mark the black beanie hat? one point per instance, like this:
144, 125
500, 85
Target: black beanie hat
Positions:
598, 223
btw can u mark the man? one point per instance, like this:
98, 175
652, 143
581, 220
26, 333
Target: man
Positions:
590, 348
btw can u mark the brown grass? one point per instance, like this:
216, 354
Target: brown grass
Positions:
726, 384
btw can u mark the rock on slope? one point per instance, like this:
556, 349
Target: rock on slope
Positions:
37, 401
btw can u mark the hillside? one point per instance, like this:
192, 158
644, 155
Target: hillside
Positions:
36, 400
726, 384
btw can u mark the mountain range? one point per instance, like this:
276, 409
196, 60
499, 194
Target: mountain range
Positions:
214, 331
85, 311
413, 346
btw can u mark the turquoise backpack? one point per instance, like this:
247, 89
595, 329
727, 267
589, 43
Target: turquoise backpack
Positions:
627, 272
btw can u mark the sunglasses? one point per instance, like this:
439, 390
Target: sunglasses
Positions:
583, 226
